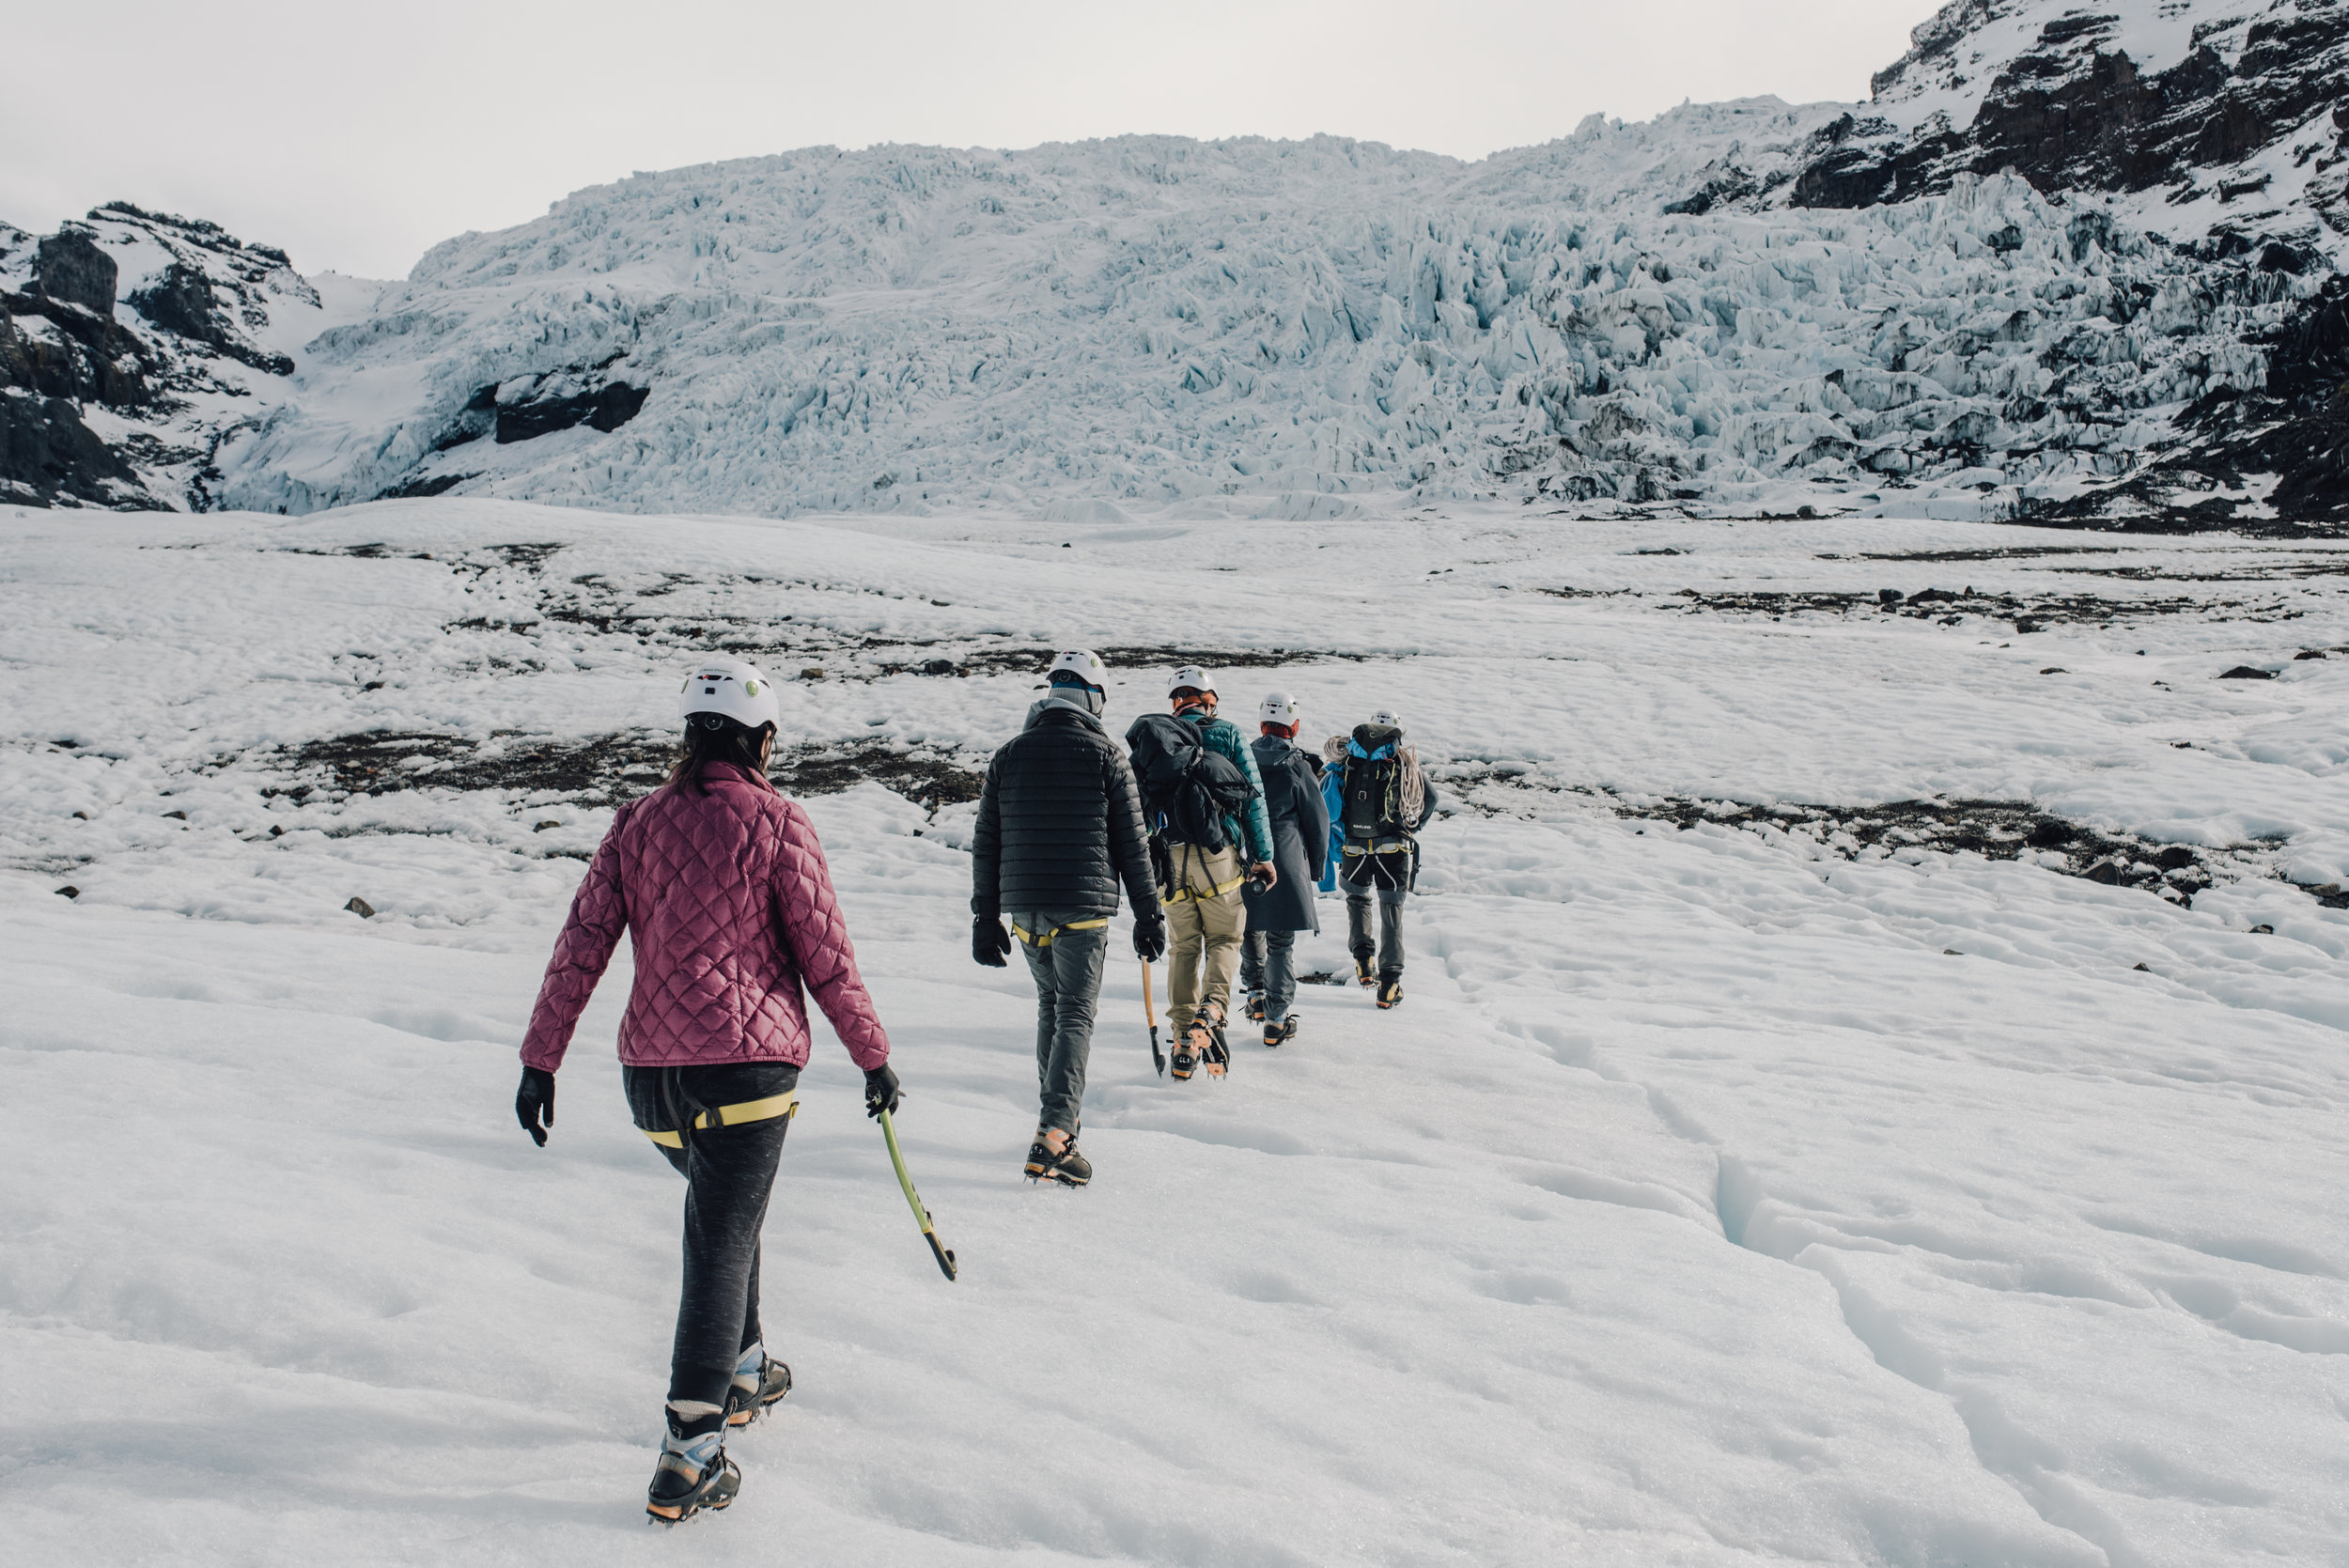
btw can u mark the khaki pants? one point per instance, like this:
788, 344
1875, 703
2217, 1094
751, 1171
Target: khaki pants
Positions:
1203, 928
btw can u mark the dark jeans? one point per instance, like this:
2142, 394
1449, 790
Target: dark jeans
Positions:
1388, 945
1067, 973
729, 1172
1267, 963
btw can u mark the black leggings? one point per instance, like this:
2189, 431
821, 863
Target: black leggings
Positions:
729, 1172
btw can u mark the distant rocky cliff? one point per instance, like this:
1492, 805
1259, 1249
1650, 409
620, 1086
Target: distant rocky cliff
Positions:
130, 346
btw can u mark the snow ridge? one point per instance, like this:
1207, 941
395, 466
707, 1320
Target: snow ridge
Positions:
1275, 329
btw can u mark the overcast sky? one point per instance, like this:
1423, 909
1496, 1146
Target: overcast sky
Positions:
355, 134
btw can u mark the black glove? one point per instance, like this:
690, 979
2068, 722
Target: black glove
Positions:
880, 1091
991, 945
533, 1103
1150, 938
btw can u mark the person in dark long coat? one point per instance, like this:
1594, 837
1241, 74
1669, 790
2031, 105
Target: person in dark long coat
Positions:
1300, 839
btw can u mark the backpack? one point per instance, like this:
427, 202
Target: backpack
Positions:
1187, 788
1373, 805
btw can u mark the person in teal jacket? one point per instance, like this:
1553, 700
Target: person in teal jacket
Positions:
1205, 920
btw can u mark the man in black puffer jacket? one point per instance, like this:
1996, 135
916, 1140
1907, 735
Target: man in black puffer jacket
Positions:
1060, 829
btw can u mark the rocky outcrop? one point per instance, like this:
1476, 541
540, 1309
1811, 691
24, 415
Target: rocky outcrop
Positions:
187, 364
69, 268
182, 300
2079, 105
47, 453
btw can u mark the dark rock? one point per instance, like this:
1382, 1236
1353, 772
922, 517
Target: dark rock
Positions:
2262, 931
2244, 671
2107, 872
2072, 113
1889, 596
70, 267
607, 407
2052, 834
2176, 858
421, 489
47, 453
2308, 653
2025, 624
69, 891
277, 831
939, 667
177, 815
98, 360
182, 301
360, 907
2143, 970
542, 827
813, 672
2055, 670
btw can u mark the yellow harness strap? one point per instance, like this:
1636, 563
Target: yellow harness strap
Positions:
1044, 938
1218, 891
731, 1116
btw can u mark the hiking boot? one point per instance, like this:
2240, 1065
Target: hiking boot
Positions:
1366, 971
693, 1472
1197, 1047
761, 1382
1066, 1165
1071, 1169
1273, 1034
1255, 1006
1390, 991
1215, 1056
1288, 1027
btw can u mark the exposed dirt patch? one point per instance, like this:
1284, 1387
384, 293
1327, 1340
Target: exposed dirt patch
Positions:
1995, 829
1951, 557
602, 771
1951, 606
1016, 660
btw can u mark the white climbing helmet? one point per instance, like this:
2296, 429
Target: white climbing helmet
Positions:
1191, 675
1388, 718
1085, 664
730, 687
1279, 708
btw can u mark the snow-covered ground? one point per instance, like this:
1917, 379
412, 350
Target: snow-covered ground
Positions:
1724, 1194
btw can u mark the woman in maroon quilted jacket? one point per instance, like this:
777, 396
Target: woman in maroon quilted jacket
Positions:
724, 890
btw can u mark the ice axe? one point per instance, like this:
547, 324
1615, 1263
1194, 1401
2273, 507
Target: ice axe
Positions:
1150, 1010
921, 1214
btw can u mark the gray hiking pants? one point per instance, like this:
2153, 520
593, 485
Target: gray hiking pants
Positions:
1388, 945
1065, 960
1267, 963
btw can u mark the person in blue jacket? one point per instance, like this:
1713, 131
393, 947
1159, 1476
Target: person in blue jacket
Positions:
1379, 799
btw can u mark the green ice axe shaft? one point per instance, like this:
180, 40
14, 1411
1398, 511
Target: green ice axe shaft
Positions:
921, 1214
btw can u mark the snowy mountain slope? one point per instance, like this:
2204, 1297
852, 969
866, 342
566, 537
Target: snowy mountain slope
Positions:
1741, 308
131, 344
1300, 330
1729, 1191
